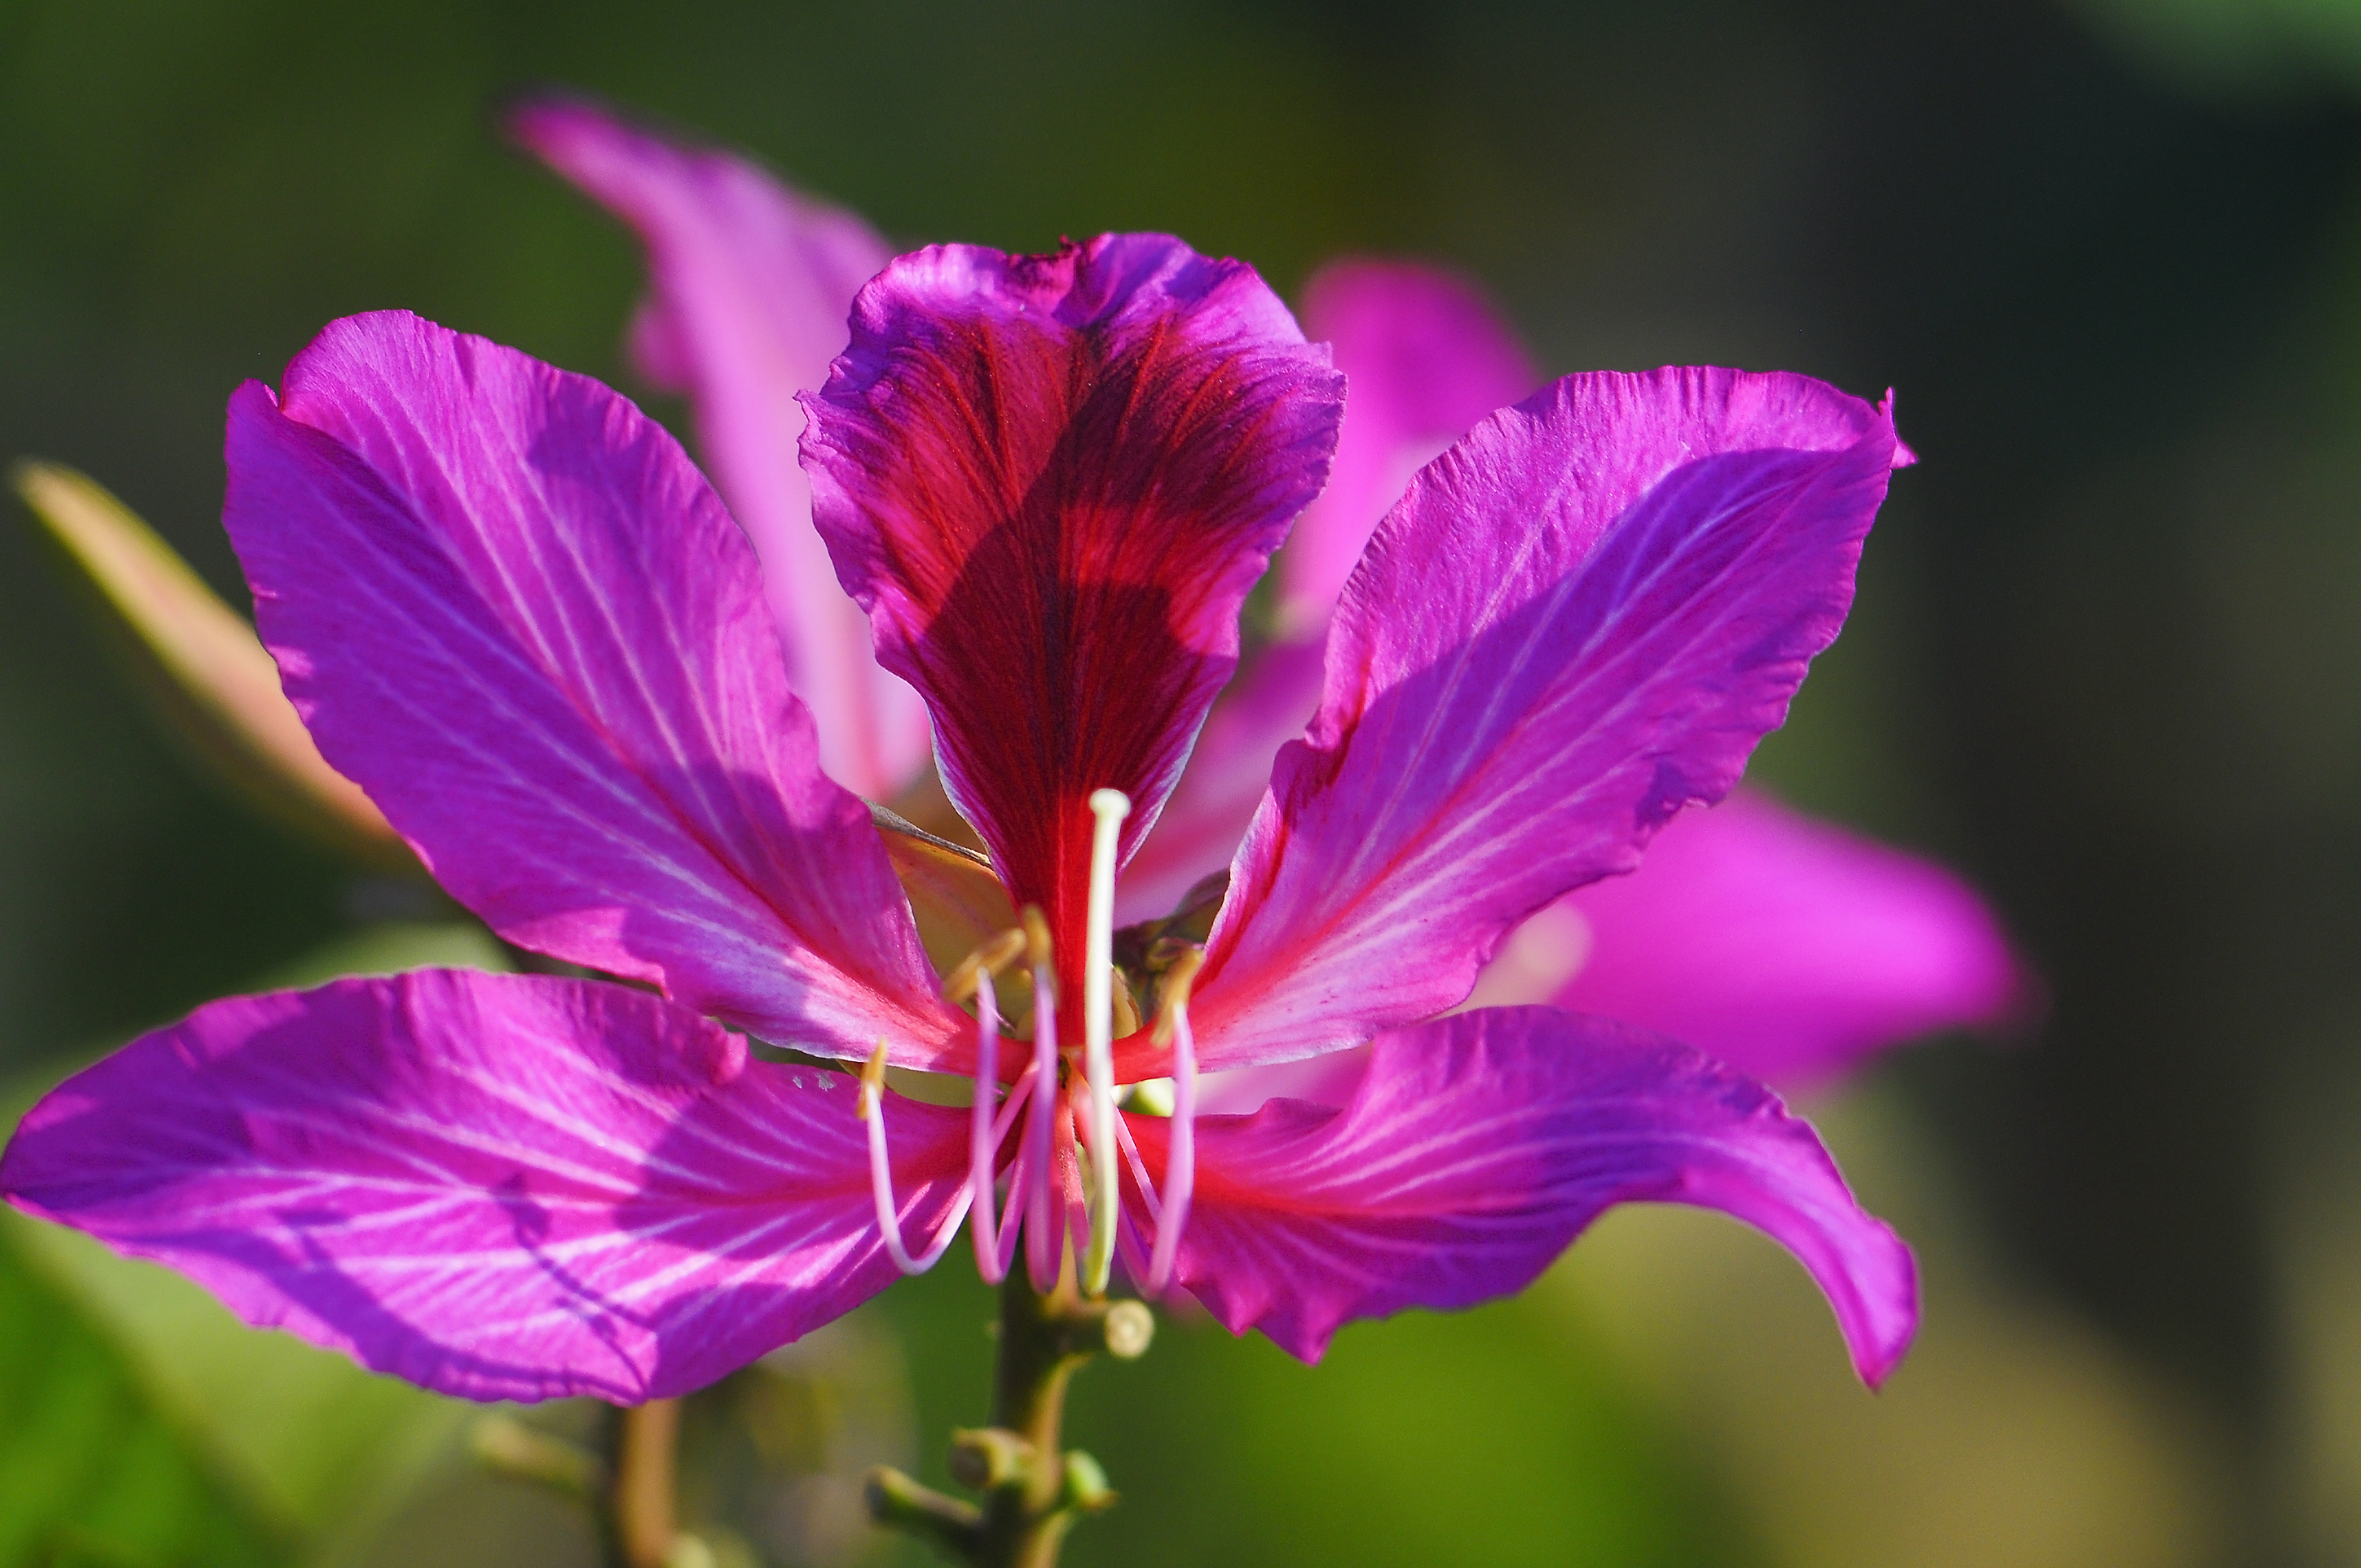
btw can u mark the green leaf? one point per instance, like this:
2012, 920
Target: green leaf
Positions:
92, 1470
198, 660
312, 1445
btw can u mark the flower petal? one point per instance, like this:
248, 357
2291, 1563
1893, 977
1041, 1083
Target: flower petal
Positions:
1477, 1147
749, 285
1578, 620
1050, 480
510, 609
1787, 947
502, 1187
1424, 358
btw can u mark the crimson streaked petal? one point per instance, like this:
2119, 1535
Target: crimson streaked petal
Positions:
1578, 620
1477, 1147
1424, 358
1050, 480
1788, 948
501, 1186
510, 610
749, 284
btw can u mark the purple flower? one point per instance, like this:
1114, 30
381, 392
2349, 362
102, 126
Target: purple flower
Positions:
508, 607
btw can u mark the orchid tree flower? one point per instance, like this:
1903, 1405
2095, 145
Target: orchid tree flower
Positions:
1788, 948
508, 607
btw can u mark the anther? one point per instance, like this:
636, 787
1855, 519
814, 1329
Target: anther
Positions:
1110, 806
873, 1081
992, 959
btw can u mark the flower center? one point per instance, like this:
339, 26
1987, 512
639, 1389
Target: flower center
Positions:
1044, 1177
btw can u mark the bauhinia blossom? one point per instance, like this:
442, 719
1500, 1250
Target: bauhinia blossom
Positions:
1787, 949
508, 607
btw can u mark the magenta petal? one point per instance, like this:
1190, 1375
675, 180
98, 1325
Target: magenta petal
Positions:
750, 286
1477, 1147
1787, 947
501, 1187
510, 609
1051, 481
1424, 358
1578, 620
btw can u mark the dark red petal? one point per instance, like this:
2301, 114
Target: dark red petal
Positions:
1051, 481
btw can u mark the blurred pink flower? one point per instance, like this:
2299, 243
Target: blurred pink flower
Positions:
1788, 948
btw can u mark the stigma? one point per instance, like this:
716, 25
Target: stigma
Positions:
1109, 807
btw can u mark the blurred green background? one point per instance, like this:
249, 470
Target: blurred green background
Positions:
2107, 660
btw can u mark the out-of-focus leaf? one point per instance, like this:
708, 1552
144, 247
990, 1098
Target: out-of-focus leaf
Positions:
200, 662
2239, 49
92, 1470
318, 1449
391, 948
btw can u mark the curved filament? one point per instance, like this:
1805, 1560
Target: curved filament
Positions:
880, 1179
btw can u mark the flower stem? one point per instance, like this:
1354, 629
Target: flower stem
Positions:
640, 1500
1032, 1490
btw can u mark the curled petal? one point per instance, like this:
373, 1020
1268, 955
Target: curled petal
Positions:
749, 284
1050, 480
1788, 948
1424, 358
501, 1186
509, 608
1578, 620
1477, 1147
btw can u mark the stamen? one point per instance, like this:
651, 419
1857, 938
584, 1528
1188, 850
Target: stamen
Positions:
1110, 806
1038, 1160
1139, 1173
871, 1109
981, 1149
991, 958
975, 976
1180, 1164
1012, 1213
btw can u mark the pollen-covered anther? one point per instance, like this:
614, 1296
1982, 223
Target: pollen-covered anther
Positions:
873, 1082
994, 958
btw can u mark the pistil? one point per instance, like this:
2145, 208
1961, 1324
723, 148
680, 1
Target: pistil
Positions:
1110, 806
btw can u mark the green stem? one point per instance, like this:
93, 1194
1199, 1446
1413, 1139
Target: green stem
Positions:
1033, 1489
641, 1527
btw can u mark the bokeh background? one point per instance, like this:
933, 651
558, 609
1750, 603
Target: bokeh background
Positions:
2107, 661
